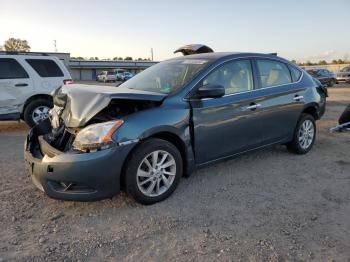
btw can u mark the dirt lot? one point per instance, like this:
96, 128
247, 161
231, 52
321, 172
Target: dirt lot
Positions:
267, 205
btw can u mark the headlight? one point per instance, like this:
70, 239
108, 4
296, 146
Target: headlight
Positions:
96, 136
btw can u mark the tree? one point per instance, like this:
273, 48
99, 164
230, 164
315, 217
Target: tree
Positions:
96, 58
322, 62
128, 58
340, 61
16, 45
294, 61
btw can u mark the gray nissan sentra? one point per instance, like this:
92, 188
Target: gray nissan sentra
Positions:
174, 117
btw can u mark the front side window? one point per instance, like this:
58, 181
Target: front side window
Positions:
11, 69
167, 77
273, 73
45, 67
235, 77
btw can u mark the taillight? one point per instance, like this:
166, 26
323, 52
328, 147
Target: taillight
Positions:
67, 81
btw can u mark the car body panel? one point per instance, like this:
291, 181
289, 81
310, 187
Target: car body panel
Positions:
82, 102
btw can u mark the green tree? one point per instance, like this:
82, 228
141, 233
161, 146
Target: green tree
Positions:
16, 45
322, 62
294, 61
128, 58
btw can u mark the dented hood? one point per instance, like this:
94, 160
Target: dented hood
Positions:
77, 104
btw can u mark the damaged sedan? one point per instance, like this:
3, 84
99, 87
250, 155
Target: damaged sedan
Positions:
178, 115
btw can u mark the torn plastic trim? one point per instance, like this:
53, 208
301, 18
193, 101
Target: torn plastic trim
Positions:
194, 49
133, 141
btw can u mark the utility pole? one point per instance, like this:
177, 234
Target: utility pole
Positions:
152, 54
55, 44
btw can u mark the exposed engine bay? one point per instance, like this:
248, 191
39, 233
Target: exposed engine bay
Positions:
62, 137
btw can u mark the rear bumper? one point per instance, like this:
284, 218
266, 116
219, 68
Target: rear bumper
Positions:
75, 176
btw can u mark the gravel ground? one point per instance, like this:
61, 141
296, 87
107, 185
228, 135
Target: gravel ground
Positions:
266, 205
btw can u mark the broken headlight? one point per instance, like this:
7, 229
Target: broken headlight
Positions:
96, 136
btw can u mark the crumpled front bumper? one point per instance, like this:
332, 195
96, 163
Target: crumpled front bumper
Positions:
74, 176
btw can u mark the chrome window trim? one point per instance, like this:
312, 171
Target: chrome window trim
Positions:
243, 92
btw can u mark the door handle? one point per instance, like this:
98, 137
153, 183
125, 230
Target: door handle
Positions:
253, 106
21, 84
298, 98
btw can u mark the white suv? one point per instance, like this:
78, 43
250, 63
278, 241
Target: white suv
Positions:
26, 83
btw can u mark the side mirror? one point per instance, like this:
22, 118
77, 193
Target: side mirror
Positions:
210, 91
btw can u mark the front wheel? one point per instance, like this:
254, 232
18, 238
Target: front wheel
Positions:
304, 135
153, 172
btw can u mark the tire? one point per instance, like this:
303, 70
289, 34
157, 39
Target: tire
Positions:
332, 82
28, 114
137, 171
299, 145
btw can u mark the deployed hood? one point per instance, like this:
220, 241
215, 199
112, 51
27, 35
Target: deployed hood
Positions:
77, 104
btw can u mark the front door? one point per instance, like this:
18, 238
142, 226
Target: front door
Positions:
229, 124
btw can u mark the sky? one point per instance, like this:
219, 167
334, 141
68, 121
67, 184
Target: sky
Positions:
301, 30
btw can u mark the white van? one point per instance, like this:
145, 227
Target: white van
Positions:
26, 83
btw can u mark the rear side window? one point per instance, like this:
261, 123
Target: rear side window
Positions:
11, 69
273, 73
45, 67
296, 73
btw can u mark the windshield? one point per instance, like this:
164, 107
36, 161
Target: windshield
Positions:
345, 69
166, 77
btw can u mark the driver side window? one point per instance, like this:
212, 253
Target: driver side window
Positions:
235, 77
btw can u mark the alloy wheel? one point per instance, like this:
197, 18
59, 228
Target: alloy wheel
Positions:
306, 134
156, 173
40, 113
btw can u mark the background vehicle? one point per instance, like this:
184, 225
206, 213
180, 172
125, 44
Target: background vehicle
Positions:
324, 76
176, 116
127, 76
106, 76
26, 81
120, 74
344, 75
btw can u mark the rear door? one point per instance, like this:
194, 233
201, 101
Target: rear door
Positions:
280, 97
230, 124
15, 86
50, 71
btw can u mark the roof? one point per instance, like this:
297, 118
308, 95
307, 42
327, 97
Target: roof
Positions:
218, 55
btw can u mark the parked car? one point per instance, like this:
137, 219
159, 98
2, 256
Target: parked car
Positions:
176, 116
324, 76
127, 75
120, 74
26, 83
106, 76
344, 75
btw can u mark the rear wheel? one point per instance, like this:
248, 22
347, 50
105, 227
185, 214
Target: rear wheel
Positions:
332, 82
37, 111
304, 135
153, 172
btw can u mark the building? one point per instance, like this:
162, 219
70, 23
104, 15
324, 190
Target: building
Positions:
89, 69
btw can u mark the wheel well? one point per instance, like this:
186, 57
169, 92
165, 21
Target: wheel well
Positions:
32, 98
311, 110
167, 136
